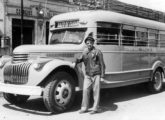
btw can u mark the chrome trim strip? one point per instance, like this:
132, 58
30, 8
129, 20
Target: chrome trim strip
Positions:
129, 71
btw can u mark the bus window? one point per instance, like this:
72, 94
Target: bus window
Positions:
68, 36
128, 35
162, 38
153, 38
141, 36
107, 33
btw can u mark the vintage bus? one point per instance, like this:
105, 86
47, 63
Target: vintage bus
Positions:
133, 50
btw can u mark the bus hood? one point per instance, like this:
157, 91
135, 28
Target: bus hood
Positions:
48, 48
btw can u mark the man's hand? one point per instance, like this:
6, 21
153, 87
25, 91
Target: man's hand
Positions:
74, 64
102, 79
105, 81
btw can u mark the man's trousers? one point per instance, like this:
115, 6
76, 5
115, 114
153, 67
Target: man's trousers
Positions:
94, 84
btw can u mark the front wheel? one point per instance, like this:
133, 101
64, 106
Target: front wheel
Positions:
59, 93
155, 85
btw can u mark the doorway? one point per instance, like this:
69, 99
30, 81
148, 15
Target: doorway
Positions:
28, 32
47, 32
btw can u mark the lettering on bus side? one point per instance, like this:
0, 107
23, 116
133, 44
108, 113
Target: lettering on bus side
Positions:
136, 49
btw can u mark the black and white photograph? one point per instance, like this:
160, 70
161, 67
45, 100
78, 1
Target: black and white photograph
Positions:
82, 59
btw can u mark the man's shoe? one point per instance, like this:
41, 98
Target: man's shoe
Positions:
83, 111
93, 112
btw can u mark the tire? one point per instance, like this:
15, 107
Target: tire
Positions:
15, 99
59, 93
155, 85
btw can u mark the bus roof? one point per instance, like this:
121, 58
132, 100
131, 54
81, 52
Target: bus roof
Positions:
108, 16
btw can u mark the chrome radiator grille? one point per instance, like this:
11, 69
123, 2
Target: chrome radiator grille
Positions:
20, 58
16, 73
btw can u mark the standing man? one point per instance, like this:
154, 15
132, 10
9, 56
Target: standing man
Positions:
94, 71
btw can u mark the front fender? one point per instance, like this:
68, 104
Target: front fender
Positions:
4, 60
158, 64
36, 76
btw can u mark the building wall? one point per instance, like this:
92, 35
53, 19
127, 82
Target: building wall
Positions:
31, 10
1, 16
3, 50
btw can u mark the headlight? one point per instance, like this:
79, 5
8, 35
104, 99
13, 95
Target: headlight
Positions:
1, 64
36, 66
4, 59
39, 65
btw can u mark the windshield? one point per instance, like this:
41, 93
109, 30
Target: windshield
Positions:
68, 36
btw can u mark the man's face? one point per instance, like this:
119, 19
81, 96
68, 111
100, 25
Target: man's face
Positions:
89, 44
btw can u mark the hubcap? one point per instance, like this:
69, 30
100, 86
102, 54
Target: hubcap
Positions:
158, 80
63, 93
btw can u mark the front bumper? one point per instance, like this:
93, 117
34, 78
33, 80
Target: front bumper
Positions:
21, 89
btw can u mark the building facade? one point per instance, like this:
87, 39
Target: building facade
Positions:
35, 21
38, 12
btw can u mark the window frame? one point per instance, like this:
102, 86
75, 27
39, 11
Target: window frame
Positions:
113, 39
141, 40
127, 40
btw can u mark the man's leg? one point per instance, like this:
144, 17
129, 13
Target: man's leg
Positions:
96, 92
86, 93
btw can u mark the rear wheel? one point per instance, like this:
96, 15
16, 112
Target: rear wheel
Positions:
59, 93
15, 99
155, 85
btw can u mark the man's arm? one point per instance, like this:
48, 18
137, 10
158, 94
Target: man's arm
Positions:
102, 64
79, 60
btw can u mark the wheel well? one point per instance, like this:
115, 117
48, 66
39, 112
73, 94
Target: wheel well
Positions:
67, 69
158, 68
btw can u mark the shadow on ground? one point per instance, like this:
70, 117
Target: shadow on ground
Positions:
108, 100
32, 106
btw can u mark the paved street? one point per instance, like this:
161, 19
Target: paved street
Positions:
126, 103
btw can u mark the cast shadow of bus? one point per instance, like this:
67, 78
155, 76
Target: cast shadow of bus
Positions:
108, 100
32, 106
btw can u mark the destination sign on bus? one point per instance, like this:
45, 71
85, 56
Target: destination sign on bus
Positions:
69, 23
